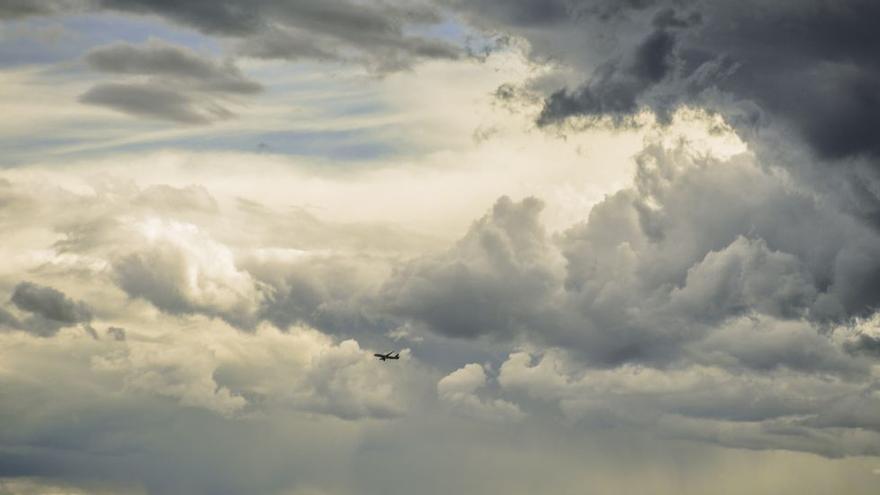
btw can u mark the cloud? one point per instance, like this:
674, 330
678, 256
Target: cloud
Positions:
617, 88
753, 409
166, 61
49, 303
826, 52
717, 303
459, 389
163, 197
653, 267
497, 277
14, 9
166, 82
181, 270
116, 333
51, 309
711, 296
796, 79
151, 100
382, 36
8, 320
110, 410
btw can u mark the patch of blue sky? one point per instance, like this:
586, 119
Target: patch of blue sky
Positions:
449, 30
455, 32
48, 40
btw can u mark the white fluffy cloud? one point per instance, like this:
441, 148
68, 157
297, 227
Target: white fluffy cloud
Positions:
181, 269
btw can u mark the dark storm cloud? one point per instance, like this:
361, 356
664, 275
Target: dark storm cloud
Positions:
615, 90
808, 66
655, 269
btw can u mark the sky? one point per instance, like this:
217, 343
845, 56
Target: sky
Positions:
621, 247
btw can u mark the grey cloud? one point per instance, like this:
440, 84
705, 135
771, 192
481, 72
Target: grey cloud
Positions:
155, 101
462, 388
116, 333
496, 278
166, 82
654, 268
49, 303
333, 293
798, 80
280, 43
778, 408
52, 309
802, 70
766, 344
167, 198
13, 9
166, 61
746, 276
680, 300
375, 34
8, 320
183, 279
520, 13
617, 88
865, 344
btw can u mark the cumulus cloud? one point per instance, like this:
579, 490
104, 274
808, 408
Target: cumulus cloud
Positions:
500, 275
182, 270
460, 390
795, 79
727, 301
241, 375
758, 410
133, 398
652, 268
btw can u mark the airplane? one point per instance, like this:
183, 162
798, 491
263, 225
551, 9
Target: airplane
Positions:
390, 355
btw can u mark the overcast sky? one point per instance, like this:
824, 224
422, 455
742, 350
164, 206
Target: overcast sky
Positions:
621, 246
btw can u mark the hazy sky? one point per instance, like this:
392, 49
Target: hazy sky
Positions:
622, 247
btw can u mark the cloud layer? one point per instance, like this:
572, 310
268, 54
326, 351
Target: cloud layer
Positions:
699, 317
165, 82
